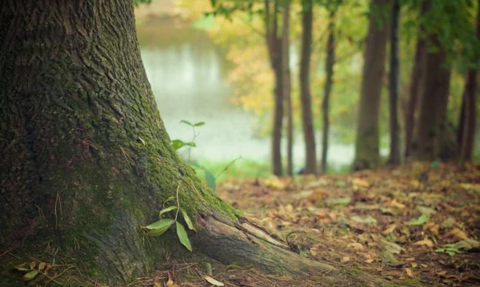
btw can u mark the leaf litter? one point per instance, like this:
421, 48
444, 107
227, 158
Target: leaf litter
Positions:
414, 221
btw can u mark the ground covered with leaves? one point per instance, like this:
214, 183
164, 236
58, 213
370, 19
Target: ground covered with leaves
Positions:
416, 221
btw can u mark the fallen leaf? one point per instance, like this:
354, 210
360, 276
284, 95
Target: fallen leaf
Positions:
367, 220
390, 229
213, 281
418, 221
425, 241
395, 203
457, 233
345, 259
409, 272
360, 183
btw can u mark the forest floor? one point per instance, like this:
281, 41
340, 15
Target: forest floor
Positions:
418, 221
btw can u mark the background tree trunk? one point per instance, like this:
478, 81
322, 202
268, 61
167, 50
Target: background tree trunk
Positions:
307, 119
287, 85
86, 158
468, 115
416, 86
366, 144
432, 117
274, 46
329, 63
394, 157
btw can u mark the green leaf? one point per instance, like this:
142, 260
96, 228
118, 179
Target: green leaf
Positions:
22, 267
338, 201
186, 122
30, 275
177, 144
187, 219
210, 178
169, 199
183, 236
159, 227
367, 220
165, 210
418, 221
199, 124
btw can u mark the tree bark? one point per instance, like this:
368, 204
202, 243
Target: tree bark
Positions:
329, 64
431, 133
86, 159
274, 47
394, 157
366, 144
416, 85
468, 115
287, 85
306, 101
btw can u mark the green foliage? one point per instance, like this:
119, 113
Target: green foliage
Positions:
163, 224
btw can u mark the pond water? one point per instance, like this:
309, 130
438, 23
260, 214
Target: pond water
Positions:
188, 75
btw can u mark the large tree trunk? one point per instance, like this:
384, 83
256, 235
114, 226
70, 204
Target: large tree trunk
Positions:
287, 85
329, 63
86, 159
432, 130
394, 157
274, 47
416, 85
468, 115
306, 98
366, 144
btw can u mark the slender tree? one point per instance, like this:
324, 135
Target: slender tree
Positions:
394, 157
86, 159
366, 144
286, 81
468, 115
329, 64
306, 101
274, 47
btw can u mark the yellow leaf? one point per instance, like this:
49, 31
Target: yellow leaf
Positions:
356, 246
41, 266
409, 272
360, 182
396, 204
457, 233
345, 259
425, 241
170, 281
390, 229
213, 281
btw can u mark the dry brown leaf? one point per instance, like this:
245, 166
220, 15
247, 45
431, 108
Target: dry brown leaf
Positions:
170, 281
345, 259
356, 246
395, 203
425, 241
360, 183
213, 281
409, 272
457, 233
390, 229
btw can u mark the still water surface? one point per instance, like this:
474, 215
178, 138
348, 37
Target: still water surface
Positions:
188, 75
